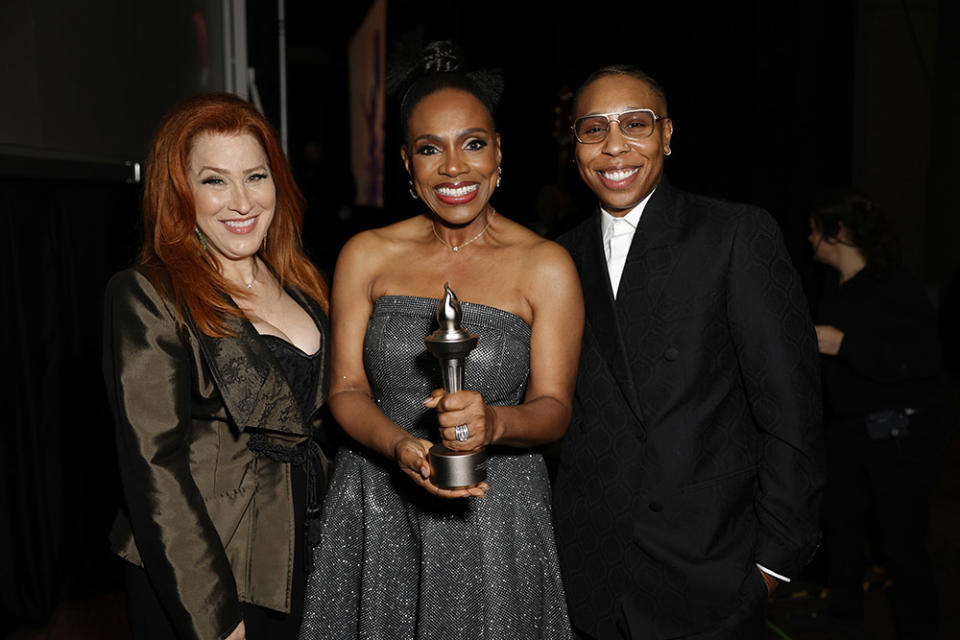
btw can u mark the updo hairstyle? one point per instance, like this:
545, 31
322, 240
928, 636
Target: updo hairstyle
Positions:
437, 66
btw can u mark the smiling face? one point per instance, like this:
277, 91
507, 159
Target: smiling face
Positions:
622, 171
233, 192
452, 155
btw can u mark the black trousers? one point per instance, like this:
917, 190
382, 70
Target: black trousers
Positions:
745, 622
885, 483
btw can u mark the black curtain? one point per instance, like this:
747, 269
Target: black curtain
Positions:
61, 242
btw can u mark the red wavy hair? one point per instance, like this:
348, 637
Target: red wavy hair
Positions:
169, 214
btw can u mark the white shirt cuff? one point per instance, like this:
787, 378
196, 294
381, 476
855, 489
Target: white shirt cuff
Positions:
772, 573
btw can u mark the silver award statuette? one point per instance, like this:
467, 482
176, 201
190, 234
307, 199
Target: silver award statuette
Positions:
450, 344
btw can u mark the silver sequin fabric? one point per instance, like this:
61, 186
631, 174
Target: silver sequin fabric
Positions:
395, 562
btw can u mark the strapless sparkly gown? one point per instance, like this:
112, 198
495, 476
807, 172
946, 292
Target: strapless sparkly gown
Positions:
396, 563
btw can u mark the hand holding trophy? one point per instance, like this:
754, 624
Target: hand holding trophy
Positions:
450, 344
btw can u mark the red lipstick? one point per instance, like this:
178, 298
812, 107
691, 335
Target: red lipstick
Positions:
456, 192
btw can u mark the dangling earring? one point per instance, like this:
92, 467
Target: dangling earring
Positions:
499, 175
413, 193
265, 236
202, 238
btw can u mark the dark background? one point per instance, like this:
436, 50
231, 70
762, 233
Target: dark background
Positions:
774, 103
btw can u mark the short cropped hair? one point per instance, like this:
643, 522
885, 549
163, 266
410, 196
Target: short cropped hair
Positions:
622, 70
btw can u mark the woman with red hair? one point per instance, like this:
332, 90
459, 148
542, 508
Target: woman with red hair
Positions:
215, 360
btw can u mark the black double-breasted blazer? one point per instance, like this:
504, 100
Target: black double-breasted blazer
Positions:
211, 521
695, 448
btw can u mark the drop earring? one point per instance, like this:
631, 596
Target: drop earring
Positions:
499, 175
413, 193
202, 238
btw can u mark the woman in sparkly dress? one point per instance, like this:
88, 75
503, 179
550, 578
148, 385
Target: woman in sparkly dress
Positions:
400, 557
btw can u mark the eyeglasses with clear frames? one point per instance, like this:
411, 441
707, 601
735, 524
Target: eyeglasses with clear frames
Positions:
635, 124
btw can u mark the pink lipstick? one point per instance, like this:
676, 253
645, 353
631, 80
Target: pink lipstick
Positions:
242, 226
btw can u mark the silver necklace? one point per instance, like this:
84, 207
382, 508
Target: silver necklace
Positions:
256, 269
456, 247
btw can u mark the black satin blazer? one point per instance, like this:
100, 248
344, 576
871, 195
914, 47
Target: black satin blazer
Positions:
210, 520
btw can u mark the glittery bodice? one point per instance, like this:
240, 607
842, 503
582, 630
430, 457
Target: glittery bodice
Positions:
402, 373
398, 563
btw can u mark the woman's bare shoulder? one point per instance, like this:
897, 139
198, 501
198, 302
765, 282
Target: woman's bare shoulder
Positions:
536, 250
382, 241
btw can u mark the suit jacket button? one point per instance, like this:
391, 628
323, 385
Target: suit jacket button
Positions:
671, 353
656, 507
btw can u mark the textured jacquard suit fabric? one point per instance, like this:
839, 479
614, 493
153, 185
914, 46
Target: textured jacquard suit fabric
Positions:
695, 448
211, 521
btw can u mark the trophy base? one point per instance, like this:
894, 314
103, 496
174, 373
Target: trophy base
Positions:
456, 469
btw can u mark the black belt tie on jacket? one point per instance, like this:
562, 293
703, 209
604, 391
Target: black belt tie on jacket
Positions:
306, 455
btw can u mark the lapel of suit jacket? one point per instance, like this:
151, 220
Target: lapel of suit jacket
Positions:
652, 257
253, 388
600, 311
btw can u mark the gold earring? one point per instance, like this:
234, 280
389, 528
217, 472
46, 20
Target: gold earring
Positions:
202, 238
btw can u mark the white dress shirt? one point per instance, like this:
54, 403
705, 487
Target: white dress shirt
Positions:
617, 235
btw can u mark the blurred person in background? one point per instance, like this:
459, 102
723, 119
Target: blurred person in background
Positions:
886, 405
